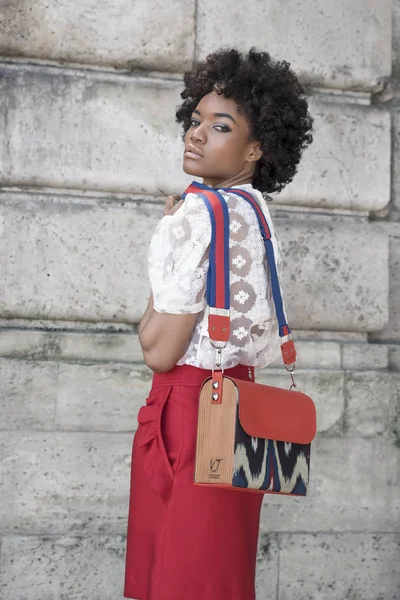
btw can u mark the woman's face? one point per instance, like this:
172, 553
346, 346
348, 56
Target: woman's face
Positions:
217, 145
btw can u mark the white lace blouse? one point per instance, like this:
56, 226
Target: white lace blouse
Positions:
178, 264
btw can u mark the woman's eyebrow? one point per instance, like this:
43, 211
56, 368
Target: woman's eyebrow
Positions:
217, 115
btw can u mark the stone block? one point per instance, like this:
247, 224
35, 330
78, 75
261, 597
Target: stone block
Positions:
395, 80
354, 486
64, 482
352, 48
28, 394
391, 331
146, 35
396, 148
370, 403
394, 357
25, 343
267, 570
327, 282
62, 567
324, 387
396, 421
93, 346
342, 566
102, 247
111, 347
319, 335
96, 131
104, 274
396, 38
350, 141
365, 356
100, 397
113, 133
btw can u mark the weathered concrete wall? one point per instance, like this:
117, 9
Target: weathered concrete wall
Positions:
87, 141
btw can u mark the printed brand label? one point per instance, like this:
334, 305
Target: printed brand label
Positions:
214, 464
214, 468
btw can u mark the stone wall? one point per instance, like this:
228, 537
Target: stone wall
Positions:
88, 140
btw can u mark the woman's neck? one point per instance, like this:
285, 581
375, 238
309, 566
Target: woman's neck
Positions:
226, 183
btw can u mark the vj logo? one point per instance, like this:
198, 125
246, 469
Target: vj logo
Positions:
214, 464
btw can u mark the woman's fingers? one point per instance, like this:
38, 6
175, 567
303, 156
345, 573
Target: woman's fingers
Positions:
169, 203
176, 206
172, 204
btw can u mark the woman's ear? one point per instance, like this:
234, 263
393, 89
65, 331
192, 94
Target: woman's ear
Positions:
255, 152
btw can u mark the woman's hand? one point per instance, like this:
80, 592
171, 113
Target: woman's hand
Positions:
172, 204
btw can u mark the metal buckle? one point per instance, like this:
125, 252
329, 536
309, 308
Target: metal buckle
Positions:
291, 369
218, 347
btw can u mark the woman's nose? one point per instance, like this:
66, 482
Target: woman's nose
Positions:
197, 135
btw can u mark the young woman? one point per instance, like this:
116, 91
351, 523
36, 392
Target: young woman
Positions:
246, 123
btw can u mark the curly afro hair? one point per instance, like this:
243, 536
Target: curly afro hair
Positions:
272, 99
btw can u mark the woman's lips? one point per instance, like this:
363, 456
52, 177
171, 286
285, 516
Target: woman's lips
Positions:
193, 152
190, 154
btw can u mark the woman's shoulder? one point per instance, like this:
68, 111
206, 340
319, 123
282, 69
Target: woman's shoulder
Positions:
235, 195
237, 200
244, 219
177, 232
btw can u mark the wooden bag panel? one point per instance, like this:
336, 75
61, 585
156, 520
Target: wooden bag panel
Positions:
216, 434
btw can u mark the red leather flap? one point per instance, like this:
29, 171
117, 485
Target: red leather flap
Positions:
276, 414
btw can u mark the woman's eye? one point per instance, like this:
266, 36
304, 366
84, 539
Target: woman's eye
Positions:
219, 127
224, 128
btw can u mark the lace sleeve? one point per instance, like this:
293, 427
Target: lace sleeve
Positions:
178, 259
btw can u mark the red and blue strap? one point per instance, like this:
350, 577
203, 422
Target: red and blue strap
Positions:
266, 235
218, 285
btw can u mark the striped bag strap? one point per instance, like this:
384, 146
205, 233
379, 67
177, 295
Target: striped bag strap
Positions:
218, 285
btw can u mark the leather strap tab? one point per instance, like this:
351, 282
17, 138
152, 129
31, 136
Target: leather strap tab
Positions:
288, 352
219, 328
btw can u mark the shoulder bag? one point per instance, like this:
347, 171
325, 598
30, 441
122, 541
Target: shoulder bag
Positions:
250, 437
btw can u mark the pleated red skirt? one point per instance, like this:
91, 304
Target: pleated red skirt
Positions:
184, 542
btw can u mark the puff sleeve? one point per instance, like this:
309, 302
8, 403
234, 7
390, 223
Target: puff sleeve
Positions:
178, 259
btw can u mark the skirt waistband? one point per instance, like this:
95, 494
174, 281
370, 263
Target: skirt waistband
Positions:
189, 375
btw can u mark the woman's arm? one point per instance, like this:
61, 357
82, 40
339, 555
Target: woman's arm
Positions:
164, 339
146, 314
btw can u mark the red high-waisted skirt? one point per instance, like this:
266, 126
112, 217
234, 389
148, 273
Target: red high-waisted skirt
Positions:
185, 542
